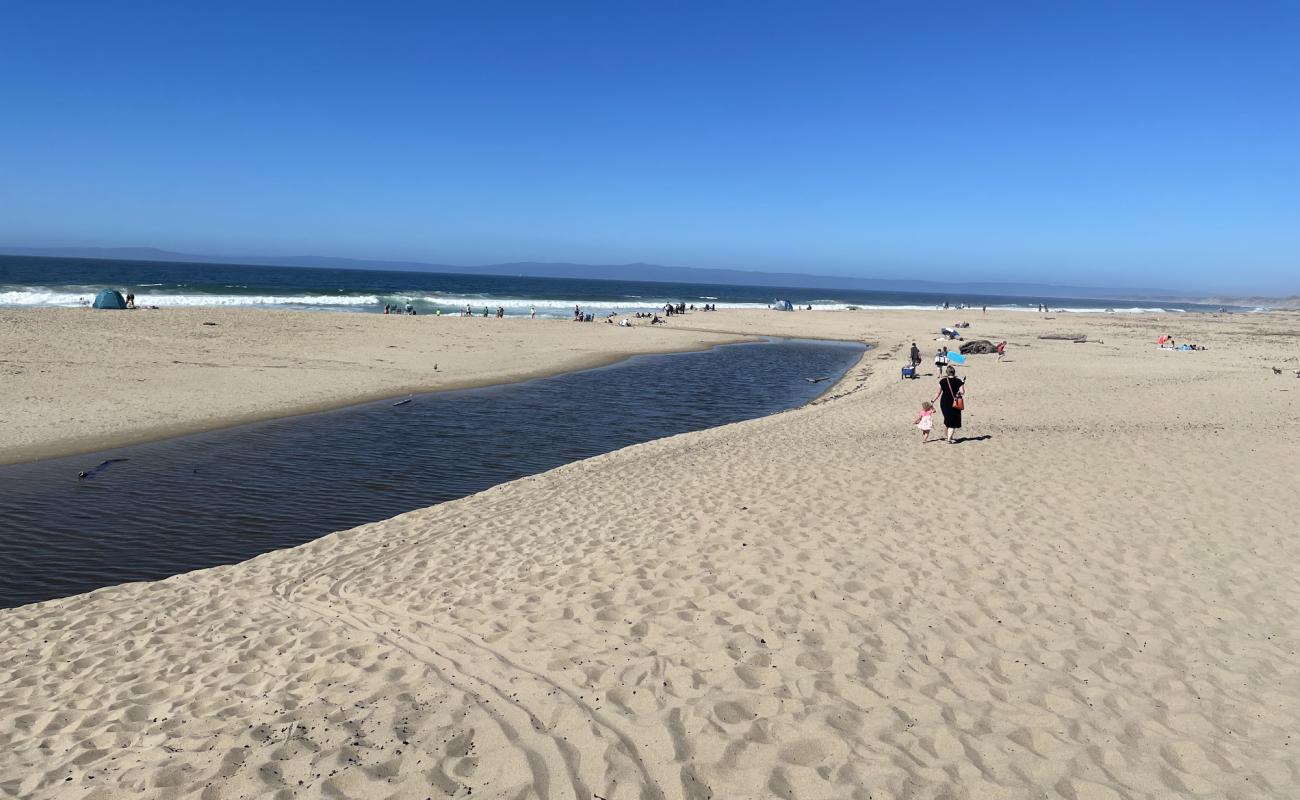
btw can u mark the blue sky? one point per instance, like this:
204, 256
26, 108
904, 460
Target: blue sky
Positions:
1094, 143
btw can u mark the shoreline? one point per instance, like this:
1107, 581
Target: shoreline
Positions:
73, 448
515, 372
192, 485
68, 449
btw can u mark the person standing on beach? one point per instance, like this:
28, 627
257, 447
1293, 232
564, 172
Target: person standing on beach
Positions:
532, 312
951, 400
940, 360
1002, 349
916, 356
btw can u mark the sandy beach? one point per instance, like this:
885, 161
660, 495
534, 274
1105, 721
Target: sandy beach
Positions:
1094, 596
76, 380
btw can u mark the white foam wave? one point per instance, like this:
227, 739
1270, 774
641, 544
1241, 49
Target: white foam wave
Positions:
79, 295
562, 304
53, 297
257, 300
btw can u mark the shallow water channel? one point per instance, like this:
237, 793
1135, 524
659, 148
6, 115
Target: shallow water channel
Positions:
225, 496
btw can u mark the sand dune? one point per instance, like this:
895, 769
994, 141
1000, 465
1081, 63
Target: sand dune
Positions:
1095, 596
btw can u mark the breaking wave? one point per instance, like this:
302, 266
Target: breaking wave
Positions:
64, 297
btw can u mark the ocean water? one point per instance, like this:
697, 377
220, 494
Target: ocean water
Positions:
225, 496
28, 282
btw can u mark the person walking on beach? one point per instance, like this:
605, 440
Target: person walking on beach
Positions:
915, 356
1002, 349
925, 420
940, 360
532, 312
951, 401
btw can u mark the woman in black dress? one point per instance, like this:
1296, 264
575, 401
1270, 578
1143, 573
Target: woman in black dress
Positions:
950, 389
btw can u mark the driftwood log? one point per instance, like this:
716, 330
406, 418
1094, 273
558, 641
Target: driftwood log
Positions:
1066, 337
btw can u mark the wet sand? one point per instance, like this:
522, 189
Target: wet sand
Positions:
80, 380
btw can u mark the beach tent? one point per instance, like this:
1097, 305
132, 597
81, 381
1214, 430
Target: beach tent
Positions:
110, 298
782, 305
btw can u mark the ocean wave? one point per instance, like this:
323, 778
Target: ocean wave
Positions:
35, 296
62, 297
1115, 310
477, 302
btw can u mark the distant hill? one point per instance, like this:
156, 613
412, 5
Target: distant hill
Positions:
642, 272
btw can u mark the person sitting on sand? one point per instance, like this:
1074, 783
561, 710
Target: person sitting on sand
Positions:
951, 399
925, 420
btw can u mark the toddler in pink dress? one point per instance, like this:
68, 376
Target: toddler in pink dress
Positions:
925, 420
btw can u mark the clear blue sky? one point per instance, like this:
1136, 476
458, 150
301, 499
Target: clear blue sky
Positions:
1102, 143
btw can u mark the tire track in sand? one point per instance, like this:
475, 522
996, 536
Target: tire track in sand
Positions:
484, 660
539, 750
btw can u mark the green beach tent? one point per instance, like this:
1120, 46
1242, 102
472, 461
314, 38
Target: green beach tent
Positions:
110, 298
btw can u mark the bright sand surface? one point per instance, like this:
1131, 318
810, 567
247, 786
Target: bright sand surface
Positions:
1097, 597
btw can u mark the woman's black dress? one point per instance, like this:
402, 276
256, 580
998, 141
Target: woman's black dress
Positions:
948, 391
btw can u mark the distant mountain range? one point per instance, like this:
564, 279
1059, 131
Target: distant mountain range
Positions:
653, 273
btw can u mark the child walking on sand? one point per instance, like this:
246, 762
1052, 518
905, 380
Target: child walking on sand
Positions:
925, 420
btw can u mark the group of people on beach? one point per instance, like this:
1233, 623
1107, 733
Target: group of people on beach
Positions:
951, 394
1167, 342
951, 398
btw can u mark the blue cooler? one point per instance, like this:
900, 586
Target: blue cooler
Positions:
909, 372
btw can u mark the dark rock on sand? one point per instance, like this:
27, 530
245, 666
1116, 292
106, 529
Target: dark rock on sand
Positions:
978, 347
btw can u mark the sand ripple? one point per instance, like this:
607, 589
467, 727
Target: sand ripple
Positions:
1103, 606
